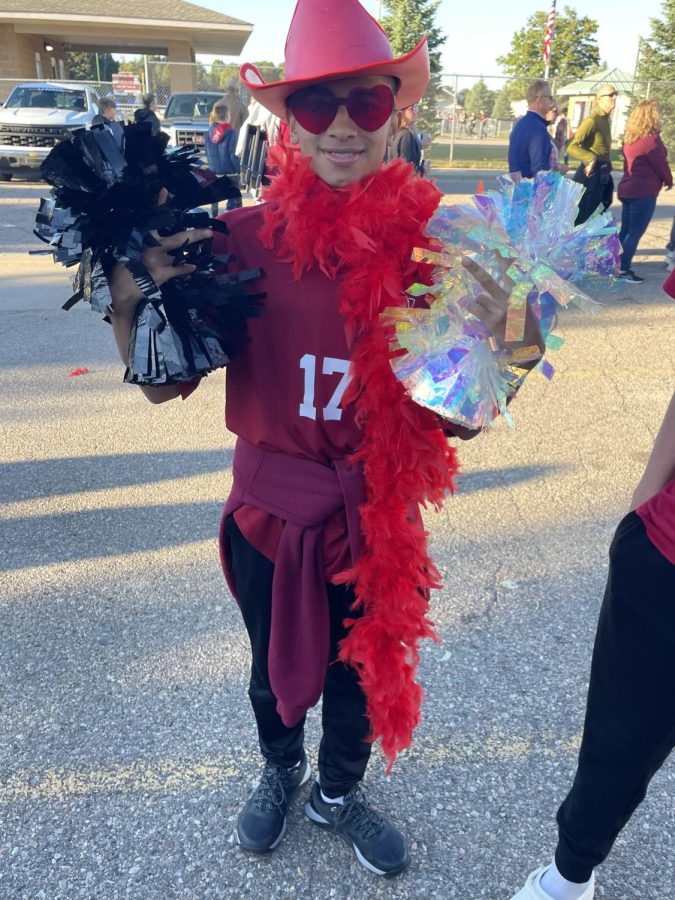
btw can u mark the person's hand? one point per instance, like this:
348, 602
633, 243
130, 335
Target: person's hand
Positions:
669, 187
160, 265
492, 305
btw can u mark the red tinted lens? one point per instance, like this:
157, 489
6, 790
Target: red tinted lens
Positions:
370, 108
315, 108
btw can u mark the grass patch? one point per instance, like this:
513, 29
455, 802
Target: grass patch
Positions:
482, 155
466, 153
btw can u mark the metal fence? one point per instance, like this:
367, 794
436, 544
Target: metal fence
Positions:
165, 78
460, 124
457, 112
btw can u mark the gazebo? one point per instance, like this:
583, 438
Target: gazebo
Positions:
581, 94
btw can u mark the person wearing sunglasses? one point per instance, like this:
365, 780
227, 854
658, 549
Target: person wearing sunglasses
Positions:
321, 540
529, 141
592, 146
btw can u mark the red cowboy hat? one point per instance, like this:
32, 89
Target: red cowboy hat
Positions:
333, 39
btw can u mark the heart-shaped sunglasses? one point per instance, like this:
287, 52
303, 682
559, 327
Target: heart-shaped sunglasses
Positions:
315, 108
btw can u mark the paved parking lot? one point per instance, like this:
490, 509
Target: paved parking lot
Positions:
127, 745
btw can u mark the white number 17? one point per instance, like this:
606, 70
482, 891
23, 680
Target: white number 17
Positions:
331, 366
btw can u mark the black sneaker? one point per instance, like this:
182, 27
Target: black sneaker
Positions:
378, 845
262, 822
630, 276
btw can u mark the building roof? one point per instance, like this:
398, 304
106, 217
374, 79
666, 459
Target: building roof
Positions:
147, 27
175, 10
621, 79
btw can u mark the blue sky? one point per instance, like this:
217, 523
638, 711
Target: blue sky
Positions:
477, 32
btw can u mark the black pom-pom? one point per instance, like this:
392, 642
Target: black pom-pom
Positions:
103, 210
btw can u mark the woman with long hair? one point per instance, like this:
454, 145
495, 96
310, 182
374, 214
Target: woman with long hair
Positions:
645, 172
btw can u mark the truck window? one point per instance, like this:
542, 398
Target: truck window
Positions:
193, 106
46, 98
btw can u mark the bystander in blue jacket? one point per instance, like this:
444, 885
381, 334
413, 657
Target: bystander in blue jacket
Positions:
529, 143
220, 144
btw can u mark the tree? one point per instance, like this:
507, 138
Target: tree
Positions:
479, 97
83, 66
222, 72
405, 22
502, 107
573, 52
656, 69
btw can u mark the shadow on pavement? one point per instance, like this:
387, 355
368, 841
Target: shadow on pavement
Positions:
30, 479
100, 533
498, 478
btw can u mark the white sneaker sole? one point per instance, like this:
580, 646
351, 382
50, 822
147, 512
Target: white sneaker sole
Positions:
316, 817
304, 780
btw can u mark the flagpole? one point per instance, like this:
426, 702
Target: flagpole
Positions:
548, 40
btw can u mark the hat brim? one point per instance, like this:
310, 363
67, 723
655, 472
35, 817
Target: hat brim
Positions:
411, 70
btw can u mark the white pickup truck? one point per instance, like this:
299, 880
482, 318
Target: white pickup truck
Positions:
35, 117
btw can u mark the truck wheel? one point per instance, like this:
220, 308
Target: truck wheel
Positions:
5, 176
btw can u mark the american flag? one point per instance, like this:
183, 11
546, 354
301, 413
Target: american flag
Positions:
548, 35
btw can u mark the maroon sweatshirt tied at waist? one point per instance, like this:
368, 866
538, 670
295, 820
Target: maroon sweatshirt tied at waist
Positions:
304, 494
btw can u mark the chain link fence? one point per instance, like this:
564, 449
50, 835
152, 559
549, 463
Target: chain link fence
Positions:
478, 111
474, 113
165, 78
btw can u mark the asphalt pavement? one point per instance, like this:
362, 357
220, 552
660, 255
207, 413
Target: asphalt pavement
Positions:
126, 742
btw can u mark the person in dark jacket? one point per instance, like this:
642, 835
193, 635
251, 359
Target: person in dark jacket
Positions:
529, 143
645, 172
407, 143
147, 112
220, 144
107, 115
592, 145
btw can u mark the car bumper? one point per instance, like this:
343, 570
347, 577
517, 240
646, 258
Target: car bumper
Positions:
22, 160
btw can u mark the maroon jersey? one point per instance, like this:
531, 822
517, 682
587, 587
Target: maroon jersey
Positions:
284, 389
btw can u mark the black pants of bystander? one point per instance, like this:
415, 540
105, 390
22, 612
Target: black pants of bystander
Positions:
629, 729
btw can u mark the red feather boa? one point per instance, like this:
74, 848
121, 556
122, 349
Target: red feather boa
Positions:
365, 234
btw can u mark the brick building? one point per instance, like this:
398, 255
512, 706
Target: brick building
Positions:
35, 34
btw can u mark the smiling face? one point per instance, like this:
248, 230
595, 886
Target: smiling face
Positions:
344, 152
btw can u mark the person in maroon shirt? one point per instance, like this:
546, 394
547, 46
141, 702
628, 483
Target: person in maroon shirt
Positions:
322, 540
645, 172
629, 729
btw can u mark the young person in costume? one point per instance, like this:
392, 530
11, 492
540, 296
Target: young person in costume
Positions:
322, 540
629, 729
